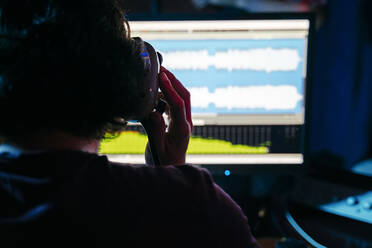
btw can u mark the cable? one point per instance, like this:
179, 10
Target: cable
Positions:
301, 232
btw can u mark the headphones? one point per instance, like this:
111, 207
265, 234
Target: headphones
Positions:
149, 88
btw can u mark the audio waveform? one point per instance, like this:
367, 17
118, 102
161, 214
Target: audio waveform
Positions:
131, 142
268, 97
259, 59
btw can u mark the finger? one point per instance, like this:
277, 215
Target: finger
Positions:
155, 126
182, 92
175, 102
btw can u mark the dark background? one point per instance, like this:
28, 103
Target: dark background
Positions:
340, 117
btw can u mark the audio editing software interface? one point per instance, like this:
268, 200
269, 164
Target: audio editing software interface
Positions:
247, 84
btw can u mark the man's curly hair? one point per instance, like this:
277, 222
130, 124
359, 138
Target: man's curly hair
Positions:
66, 65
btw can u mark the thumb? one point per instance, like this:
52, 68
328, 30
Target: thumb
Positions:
155, 128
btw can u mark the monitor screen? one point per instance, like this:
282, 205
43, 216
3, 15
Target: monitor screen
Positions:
247, 80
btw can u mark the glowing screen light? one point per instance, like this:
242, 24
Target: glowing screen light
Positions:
236, 69
242, 76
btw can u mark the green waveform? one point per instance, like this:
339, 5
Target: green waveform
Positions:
130, 142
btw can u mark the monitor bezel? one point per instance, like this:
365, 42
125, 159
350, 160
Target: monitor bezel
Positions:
310, 16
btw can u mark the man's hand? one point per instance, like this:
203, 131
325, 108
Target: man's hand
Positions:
168, 145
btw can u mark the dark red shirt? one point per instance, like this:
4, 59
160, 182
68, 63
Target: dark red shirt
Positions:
76, 199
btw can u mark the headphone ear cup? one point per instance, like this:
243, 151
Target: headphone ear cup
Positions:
148, 88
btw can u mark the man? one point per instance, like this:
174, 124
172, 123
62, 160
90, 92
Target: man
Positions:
71, 73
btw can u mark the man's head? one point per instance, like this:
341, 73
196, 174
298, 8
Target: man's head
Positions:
68, 65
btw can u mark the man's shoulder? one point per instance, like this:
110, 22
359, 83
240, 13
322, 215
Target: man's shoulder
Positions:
97, 172
167, 178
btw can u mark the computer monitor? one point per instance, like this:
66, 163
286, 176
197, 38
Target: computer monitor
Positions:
247, 78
